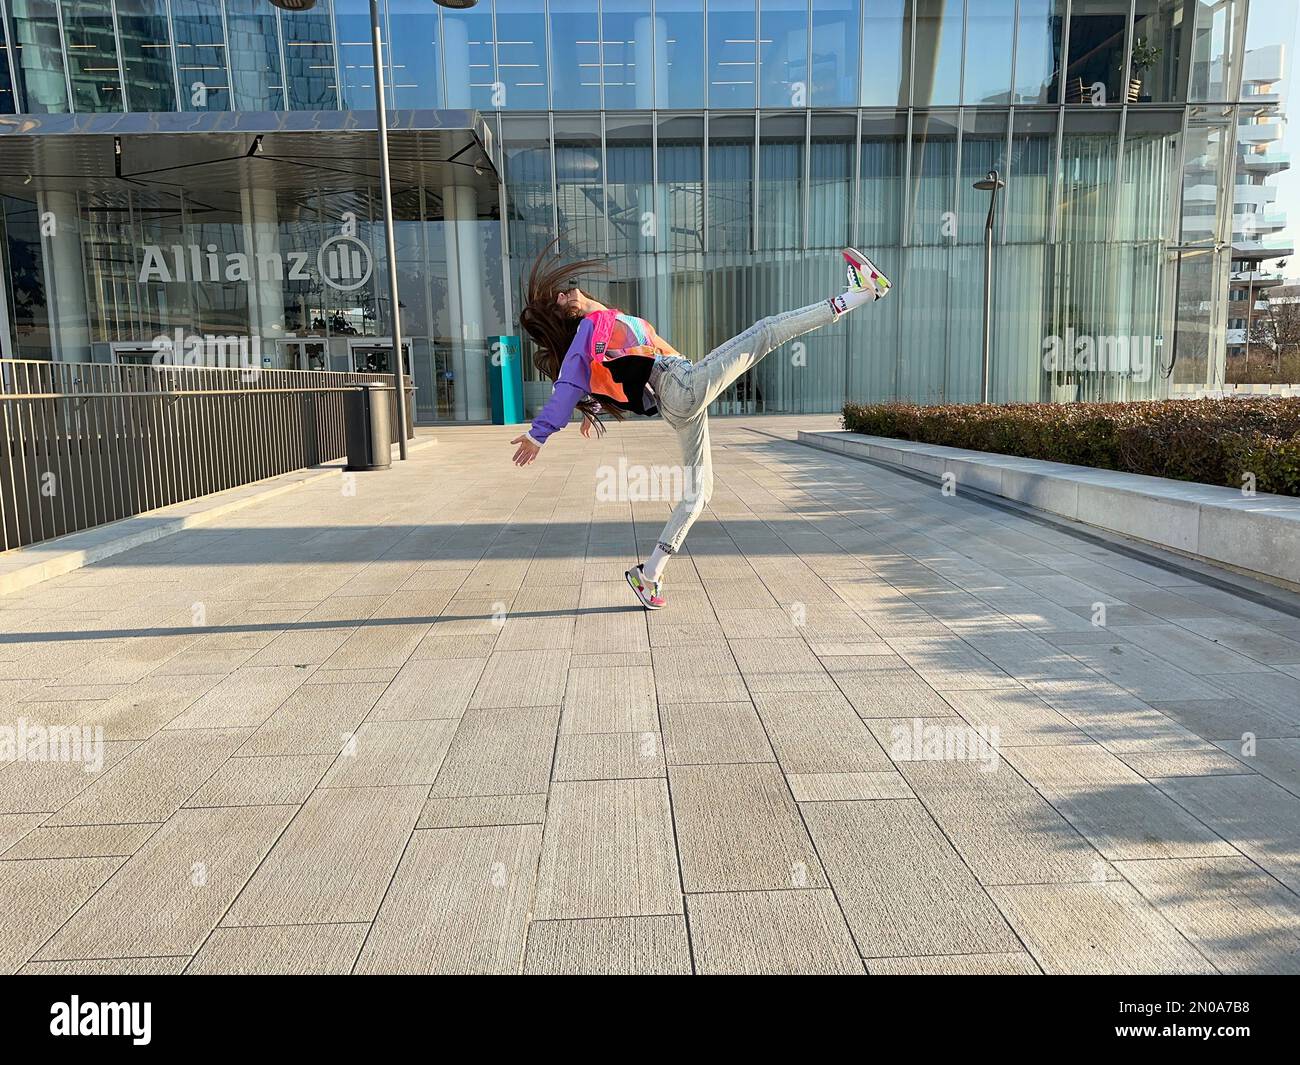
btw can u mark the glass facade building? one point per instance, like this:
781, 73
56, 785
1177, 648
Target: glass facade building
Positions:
716, 153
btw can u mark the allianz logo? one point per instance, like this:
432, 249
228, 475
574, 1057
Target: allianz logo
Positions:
342, 262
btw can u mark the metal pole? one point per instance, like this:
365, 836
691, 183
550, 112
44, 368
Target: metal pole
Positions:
988, 300
390, 242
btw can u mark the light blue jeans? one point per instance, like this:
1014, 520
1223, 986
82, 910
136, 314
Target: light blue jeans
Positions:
684, 391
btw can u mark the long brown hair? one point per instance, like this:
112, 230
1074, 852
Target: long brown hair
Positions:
552, 329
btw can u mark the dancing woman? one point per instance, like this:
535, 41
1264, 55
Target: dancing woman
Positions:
606, 362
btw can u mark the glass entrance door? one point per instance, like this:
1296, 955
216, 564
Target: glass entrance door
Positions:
303, 355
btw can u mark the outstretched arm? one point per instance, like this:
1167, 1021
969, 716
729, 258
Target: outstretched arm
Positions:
570, 387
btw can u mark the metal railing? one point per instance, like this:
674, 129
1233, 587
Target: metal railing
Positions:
89, 443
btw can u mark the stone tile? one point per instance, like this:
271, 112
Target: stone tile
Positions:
1227, 718
38, 896
107, 967
316, 719
1254, 641
1118, 812
738, 829
375, 675
949, 664
609, 756
500, 751
378, 644
82, 841
1003, 829
609, 946
701, 733
429, 689
392, 753
13, 827
292, 950
522, 678
363, 830
1014, 963
139, 710
482, 811
262, 780
783, 932
608, 852
1279, 760
694, 688
441, 644
902, 887
791, 655
458, 903
170, 894
831, 787
891, 693
1238, 917
44, 787
244, 699
151, 783
819, 733
1096, 930
1019, 716
1144, 674
1276, 692
1255, 815
1114, 718
1183, 764
614, 700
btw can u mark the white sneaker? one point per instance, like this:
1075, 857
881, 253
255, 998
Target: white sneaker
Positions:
864, 276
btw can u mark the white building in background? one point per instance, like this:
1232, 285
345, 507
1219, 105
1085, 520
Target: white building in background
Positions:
1257, 221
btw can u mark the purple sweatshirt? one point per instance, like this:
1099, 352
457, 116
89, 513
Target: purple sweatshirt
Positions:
573, 383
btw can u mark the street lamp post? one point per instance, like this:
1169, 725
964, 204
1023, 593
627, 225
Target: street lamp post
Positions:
990, 184
386, 185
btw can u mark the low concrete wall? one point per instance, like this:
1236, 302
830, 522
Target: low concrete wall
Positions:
1259, 534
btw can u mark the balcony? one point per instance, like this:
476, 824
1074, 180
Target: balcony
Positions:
1260, 132
1269, 162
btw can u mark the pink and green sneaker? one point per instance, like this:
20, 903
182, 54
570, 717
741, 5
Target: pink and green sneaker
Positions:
864, 276
646, 589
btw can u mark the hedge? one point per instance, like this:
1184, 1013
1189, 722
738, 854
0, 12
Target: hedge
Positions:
1213, 441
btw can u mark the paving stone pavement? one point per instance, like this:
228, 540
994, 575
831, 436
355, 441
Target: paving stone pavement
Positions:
413, 721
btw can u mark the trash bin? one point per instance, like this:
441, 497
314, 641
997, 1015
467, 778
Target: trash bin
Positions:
369, 429
506, 380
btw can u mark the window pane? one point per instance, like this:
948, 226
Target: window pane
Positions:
783, 53
1038, 51
886, 53
256, 82
201, 55
731, 184
780, 182
146, 55
92, 55
1216, 33
1029, 177
356, 62
579, 188
937, 78
575, 55
1157, 30
830, 173
990, 30
934, 169
8, 105
884, 163
732, 53
628, 41
629, 156
834, 53
681, 183
309, 58
983, 148
521, 54
469, 66
1096, 62
682, 62
416, 54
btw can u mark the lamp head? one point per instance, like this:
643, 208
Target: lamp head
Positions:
293, 5
456, 5
990, 183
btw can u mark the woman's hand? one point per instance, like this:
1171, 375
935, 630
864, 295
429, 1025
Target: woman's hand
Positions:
526, 451
588, 425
